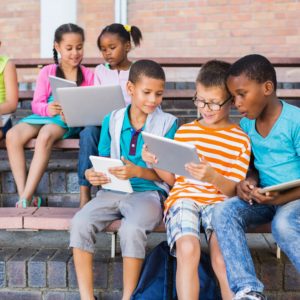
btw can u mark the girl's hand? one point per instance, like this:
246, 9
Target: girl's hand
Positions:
244, 189
63, 116
127, 171
96, 178
147, 156
202, 171
54, 108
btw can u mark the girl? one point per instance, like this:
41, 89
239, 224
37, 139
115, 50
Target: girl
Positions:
8, 90
114, 42
47, 123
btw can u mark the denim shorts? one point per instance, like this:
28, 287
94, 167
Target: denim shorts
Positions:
187, 217
7, 126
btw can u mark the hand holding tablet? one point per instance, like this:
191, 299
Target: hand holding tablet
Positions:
171, 155
103, 164
281, 187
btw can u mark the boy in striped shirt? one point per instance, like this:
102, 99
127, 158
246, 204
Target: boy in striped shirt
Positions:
224, 154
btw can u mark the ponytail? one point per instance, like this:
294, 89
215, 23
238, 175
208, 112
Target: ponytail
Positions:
125, 32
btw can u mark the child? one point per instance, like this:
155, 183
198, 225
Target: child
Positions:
46, 124
274, 130
140, 211
224, 154
114, 44
8, 90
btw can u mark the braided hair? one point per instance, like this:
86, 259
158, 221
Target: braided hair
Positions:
58, 36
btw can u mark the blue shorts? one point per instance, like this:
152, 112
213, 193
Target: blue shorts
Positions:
186, 217
7, 126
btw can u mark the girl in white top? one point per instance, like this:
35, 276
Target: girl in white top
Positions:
114, 42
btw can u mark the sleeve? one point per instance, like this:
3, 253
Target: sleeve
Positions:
105, 138
240, 167
39, 103
97, 76
89, 77
171, 133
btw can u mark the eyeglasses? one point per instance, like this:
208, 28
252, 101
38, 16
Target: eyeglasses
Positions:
212, 106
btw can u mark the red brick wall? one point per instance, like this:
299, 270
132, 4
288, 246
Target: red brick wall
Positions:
170, 27
20, 28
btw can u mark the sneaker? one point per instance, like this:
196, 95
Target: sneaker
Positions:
249, 295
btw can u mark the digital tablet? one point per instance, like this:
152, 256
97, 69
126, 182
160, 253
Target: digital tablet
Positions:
88, 105
172, 155
57, 82
102, 164
281, 187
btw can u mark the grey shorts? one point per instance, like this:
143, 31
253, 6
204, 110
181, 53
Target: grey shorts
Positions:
140, 212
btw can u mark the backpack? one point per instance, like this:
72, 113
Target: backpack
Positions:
157, 280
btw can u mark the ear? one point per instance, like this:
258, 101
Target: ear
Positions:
127, 46
130, 88
56, 46
268, 88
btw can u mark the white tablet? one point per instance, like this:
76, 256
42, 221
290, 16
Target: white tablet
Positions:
57, 82
172, 155
281, 187
102, 164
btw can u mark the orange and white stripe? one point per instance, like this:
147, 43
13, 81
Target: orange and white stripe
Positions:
226, 149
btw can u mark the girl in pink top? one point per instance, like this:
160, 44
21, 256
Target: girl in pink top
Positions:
47, 123
114, 42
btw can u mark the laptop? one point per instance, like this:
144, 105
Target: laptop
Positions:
172, 155
57, 82
4, 119
88, 105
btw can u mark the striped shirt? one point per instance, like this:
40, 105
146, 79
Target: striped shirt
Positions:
227, 150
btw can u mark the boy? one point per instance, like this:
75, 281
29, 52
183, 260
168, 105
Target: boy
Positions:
140, 211
274, 130
224, 154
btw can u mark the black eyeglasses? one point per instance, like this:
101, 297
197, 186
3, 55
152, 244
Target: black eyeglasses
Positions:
212, 106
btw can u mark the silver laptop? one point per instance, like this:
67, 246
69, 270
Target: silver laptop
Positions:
88, 105
172, 155
57, 82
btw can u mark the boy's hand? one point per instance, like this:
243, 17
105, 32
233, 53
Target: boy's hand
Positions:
244, 189
127, 171
147, 156
63, 116
202, 171
96, 178
266, 198
54, 108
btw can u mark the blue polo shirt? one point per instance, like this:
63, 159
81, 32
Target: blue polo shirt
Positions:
277, 156
131, 148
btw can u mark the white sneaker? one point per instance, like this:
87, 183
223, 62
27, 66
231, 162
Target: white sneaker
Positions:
247, 294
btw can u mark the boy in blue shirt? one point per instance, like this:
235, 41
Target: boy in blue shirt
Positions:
274, 130
140, 211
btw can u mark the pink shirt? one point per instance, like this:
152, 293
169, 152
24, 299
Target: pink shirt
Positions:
106, 76
42, 92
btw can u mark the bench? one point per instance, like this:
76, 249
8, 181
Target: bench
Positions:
292, 95
58, 218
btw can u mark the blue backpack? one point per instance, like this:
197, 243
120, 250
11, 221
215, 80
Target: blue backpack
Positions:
157, 281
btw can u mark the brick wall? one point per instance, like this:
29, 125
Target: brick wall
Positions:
170, 27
